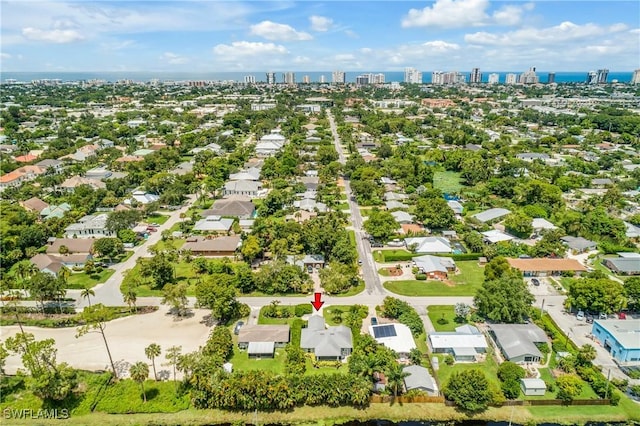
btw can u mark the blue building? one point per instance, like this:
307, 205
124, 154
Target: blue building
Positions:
620, 337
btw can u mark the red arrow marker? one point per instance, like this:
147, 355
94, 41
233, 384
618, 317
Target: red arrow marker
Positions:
317, 303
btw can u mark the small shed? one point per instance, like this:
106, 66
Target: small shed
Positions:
533, 387
227, 367
261, 349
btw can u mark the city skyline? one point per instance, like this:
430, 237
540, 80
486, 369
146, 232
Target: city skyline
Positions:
242, 36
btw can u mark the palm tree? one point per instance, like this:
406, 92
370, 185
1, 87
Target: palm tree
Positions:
24, 270
395, 377
140, 372
86, 293
130, 297
152, 351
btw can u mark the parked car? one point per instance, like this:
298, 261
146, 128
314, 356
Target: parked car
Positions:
602, 316
535, 282
589, 319
374, 321
359, 261
580, 316
237, 328
395, 243
622, 316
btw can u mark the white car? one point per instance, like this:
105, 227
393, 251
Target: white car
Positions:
580, 316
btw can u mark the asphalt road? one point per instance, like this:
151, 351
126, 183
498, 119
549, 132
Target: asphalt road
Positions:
373, 286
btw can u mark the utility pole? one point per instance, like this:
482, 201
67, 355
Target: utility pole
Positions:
606, 392
542, 309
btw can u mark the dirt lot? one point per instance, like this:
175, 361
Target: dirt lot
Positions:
127, 339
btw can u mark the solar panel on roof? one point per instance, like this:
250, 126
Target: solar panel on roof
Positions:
384, 331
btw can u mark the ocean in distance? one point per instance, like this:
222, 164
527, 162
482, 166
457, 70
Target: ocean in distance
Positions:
314, 77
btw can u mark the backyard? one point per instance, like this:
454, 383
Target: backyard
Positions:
83, 280
447, 182
439, 312
465, 283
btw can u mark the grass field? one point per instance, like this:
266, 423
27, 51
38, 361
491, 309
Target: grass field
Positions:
437, 312
82, 280
447, 182
466, 283
160, 219
183, 271
241, 361
489, 367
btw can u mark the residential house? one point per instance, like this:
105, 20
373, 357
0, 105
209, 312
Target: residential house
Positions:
310, 205
578, 244
34, 204
52, 264
214, 224
252, 173
601, 182
435, 267
270, 144
495, 236
212, 147
491, 215
49, 164
213, 247
540, 225
260, 341
532, 156
626, 264
54, 211
308, 261
631, 231
428, 244
402, 217
310, 182
327, 344
83, 153
533, 387
518, 342
419, 378
73, 182
543, 266
456, 206
464, 344
619, 338
12, 179
394, 196
394, 205
395, 336
301, 216
27, 158
247, 188
73, 245
142, 197
90, 226
232, 207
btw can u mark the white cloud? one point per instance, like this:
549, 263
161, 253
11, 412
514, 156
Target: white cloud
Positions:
465, 13
5, 55
248, 48
301, 60
320, 23
440, 46
174, 58
564, 32
274, 31
59, 36
448, 14
351, 34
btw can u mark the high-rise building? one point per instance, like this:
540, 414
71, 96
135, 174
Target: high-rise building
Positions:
271, 78
338, 77
323, 79
636, 77
551, 78
511, 79
475, 76
494, 78
451, 77
249, 79
592, 77
306, 79
363, 79
289, 77
529, 77
413, 76
602, 76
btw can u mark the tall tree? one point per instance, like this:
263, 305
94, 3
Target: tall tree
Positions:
173, 355
395, 377
380, 224
140, 372
152, 352
130, 296
506, 299
86, 293
175, 295
95, 318
469, 389
596, 294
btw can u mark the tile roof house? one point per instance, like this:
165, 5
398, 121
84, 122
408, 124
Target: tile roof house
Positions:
55, 165
332, 343
34, 204
53, 264
544, 266
419, 378
278, 335
270, 144
232, 207
27, 158
252, 173
429, 244
315, 261
73, 245
55, 211
518, 341
247, 188
213, 247
214, 224
73, 182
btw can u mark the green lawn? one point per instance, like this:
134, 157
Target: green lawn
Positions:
384, 272
241, 361
342, 206
436, 312
545, 374
489, 367
447, 182
466, 283
157, 218
328, 313
82, 280
352, 291
176, 243
382, 255
183, 272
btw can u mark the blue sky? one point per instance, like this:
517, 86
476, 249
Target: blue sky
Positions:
256, 36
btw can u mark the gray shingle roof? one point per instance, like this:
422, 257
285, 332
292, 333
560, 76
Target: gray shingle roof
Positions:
518, 340
419, 378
